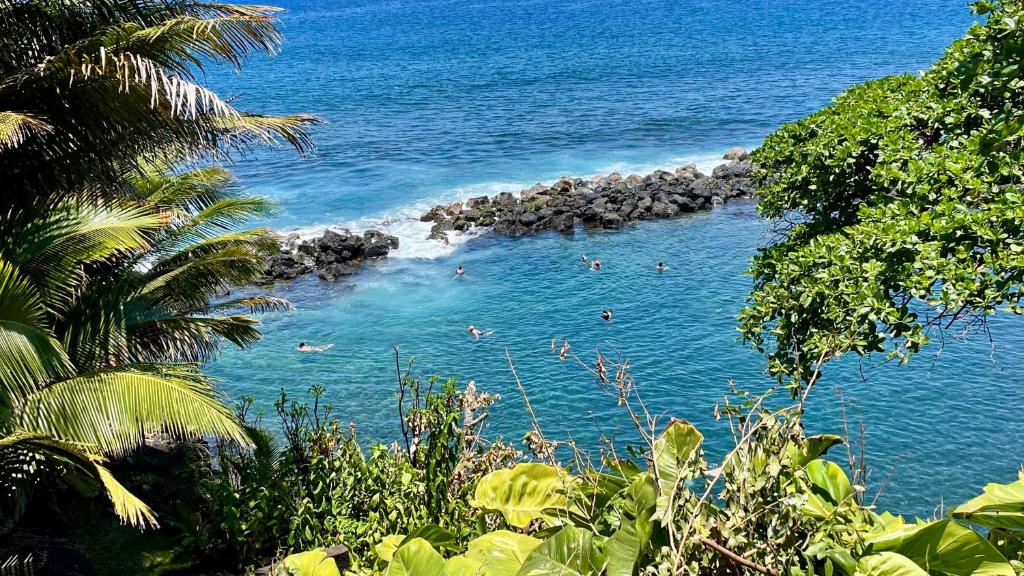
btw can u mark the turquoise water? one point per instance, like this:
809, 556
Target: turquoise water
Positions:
431, 101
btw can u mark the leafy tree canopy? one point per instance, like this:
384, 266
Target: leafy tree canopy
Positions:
899, 209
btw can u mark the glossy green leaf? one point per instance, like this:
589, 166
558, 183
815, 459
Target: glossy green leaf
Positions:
311, 563
944, 546
386, 548
888, 564
522, 494
570, 552
830, 487
999, 506
416, 558
500, 553
812, 447
677, 458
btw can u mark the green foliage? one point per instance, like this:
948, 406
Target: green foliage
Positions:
899, 209
321, 489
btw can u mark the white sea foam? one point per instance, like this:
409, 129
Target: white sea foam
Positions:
404, 221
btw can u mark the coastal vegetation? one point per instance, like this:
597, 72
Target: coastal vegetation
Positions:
898, 211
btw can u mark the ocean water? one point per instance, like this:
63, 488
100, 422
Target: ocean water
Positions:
432, 101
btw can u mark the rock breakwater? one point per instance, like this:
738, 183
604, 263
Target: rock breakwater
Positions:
611, 201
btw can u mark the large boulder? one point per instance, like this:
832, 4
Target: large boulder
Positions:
339, 246
737, 153
334, 272
372, 236
612, 220
663, 210
739, 169
284, 266
528, 218
477, 202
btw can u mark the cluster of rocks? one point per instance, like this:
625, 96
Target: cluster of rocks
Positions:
332, 255
603, 201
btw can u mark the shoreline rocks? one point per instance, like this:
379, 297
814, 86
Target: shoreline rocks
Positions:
332, 256
609, 202
600, 202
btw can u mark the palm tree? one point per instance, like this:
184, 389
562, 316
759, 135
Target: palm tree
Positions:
112, 273
92, 91
106, 311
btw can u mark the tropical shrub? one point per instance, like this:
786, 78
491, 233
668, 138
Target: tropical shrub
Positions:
321, 489
899, 208
778, 509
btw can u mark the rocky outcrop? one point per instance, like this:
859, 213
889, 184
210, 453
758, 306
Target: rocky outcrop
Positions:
602, 201
611, 201
332, 256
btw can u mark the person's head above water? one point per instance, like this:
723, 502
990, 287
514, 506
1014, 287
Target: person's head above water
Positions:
302, 344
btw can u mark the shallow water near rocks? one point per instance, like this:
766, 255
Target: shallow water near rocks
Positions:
435, 100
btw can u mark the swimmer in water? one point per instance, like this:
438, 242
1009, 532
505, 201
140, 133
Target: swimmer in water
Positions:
583, 258
303, 347
565, 350
596, 265
607, 314
661, 267
474, 332
460, 270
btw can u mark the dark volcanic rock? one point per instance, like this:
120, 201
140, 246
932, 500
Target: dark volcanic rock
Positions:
333, 272
332, 255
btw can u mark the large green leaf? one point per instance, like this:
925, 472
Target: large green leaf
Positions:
943, 547
999, 506
830, 487
624, 547
888, 564
812, 447
386, 548
416, 558
434, 535
522, 494
570, 552
677, 458
311, 563
499, 553
29, 354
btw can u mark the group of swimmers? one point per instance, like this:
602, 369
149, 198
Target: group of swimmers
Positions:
476, 332
596, 264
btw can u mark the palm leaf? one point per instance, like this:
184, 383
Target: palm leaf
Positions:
16, 127
114, 409
29, 354
24, 454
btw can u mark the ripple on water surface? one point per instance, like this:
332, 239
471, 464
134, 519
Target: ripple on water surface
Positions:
947, 423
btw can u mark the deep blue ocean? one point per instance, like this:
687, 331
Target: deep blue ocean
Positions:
432, 101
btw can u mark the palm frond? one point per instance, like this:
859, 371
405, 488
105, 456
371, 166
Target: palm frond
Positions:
189, 338
252, 304
29, 354
114, 409
186, 193
52, 249
192, 283
24, 455
246, 131
127, 506
16, 127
